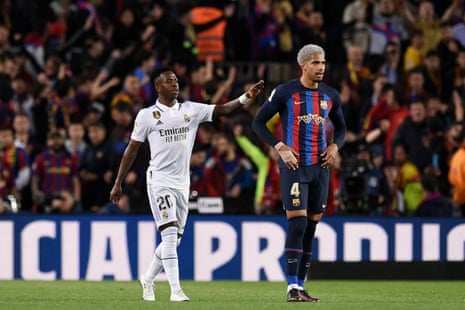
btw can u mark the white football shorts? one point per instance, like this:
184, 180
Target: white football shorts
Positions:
168, 204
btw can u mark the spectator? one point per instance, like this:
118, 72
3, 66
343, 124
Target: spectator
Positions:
229, 175
17, 159
457, 173
54, 170
356, 75
123, 119
448, 48
95, 113
391, 63
75, 143
394, 205
433, 74
456, 75
238, 33
24, 137
415, 84
372, 96
408, 180
125, 30
357, 16
384, 118
434, 204
130, 93
386, 27
302, 21
415, 135
317, 33
96, 168
413, 57
143, 71
444, 146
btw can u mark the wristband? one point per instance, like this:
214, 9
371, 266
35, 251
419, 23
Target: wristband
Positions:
243, 98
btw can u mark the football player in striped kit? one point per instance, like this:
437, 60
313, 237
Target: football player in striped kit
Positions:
304, 105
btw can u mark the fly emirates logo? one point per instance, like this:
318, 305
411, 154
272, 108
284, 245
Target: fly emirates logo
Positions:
174, 134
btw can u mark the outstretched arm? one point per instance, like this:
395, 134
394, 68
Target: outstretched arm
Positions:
232, 105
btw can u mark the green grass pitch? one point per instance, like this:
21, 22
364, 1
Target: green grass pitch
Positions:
334, 294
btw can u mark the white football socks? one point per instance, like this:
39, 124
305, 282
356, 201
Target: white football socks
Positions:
155, 266
169, 256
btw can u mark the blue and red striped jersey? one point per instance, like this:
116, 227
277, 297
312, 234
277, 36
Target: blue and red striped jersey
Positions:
55, 171
305, 114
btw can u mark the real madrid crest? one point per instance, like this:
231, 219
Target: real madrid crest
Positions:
156, 114
324, 104
187, 118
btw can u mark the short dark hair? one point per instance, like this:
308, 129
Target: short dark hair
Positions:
157, 72
429, 182
98, 124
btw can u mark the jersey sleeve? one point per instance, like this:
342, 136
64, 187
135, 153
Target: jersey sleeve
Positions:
337, 118
140, 130
205, 111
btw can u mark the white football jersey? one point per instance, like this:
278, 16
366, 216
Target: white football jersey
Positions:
171, 133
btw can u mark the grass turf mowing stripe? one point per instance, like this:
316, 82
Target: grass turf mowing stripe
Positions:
334, 294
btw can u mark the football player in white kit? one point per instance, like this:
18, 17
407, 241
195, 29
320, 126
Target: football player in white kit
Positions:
170, 127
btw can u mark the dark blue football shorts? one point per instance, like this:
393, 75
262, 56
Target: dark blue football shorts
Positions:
305, 188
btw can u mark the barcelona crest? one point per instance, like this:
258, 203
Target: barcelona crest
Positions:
324, 104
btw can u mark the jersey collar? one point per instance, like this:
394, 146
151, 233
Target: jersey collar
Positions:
163, 107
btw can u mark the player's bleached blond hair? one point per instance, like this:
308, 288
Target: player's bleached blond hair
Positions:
307, 50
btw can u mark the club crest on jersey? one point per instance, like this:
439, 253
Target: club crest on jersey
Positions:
187, 118
156, 114
324, 104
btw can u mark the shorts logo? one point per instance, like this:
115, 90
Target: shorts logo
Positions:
323, 206
156, 114
187, 118
296, 202
164, 214
324, 104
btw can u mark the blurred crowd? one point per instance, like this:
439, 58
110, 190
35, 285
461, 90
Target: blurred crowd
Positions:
74, 73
